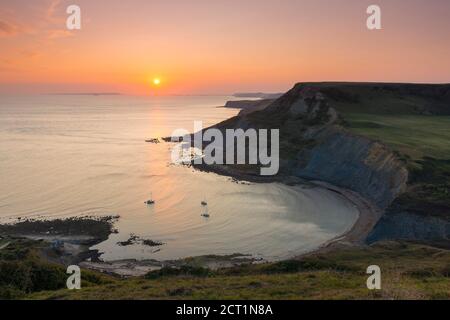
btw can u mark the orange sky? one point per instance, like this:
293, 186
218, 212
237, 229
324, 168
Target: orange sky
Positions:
218, 46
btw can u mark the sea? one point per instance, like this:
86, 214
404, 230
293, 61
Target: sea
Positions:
85, 155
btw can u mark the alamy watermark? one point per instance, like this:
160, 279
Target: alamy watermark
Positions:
374, 20
74, 280
73, 21
374, 280
228, 146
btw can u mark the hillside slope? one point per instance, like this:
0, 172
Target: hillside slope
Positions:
319, 142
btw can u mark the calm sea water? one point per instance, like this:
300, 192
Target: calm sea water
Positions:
66, 156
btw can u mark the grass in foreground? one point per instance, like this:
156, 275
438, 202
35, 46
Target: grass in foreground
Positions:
409, 271
24, 271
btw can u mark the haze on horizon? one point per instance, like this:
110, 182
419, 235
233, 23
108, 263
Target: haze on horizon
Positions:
219, 46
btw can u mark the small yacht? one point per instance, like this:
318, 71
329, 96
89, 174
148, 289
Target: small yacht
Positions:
205, 214
151, 201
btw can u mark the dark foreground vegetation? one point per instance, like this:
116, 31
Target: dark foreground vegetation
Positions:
409, 271
24, 270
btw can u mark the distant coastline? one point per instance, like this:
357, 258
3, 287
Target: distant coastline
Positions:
260, 95
86, 94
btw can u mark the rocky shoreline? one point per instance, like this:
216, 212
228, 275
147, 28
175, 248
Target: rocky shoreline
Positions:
69, 240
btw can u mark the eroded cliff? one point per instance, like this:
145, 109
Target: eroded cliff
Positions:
316, 144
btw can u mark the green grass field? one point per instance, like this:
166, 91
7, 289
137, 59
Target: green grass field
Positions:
423, 142
414, 135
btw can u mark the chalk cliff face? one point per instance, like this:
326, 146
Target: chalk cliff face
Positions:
355, 163
335, 155
315, 144
409, 226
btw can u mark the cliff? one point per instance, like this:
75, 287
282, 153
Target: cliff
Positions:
317, 144
355, 163
260, 95
249, 106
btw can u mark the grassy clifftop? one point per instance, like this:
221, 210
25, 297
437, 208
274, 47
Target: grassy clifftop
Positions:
386, 98
412, 120
409, 271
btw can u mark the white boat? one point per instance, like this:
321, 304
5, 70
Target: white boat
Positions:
206, 213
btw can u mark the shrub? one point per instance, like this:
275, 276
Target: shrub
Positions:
182, 271
27, 277
308, 264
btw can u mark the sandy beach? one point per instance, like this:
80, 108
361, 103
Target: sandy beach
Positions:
369, 215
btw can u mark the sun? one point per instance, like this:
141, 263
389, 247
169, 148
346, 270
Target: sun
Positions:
156, 81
